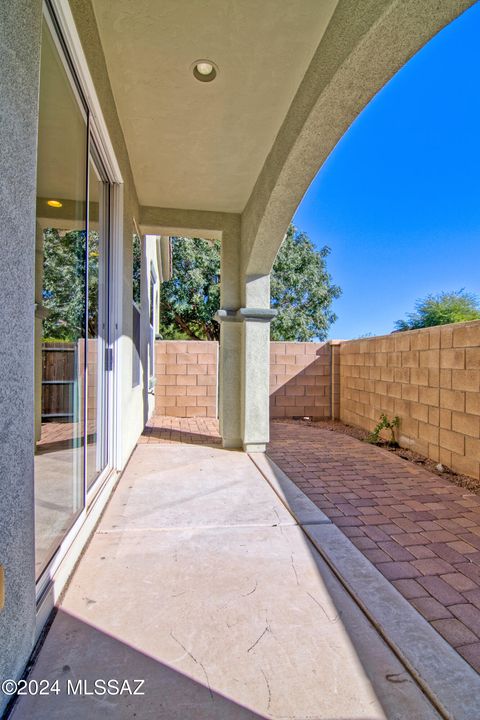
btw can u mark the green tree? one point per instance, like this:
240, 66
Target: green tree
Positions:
441, 309
136, 268
64, 284
191, 298
301, 290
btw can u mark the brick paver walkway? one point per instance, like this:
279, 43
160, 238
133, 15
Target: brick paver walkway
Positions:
419, 530
168, 429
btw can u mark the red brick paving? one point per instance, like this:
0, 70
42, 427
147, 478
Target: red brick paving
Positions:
167, 429
419, 530
57, 435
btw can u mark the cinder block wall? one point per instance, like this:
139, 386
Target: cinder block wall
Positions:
186, 378
430, 378
300, 380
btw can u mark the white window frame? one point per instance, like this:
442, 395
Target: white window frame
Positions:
152, 329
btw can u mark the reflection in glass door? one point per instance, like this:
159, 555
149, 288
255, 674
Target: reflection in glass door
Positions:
71, 306
59, 304
98, 353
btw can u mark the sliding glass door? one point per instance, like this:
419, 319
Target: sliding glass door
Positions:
72, 350
98, 347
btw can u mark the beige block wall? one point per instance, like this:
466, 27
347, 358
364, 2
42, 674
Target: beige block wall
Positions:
186, 375
430, 378
300, 380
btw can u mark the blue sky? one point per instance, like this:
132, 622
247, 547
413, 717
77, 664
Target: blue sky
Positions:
398, 200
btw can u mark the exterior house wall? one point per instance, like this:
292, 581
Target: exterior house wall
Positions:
20, 27
430, 378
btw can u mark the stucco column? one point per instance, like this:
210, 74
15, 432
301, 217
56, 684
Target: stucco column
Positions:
244, 319
229, 401
255, 319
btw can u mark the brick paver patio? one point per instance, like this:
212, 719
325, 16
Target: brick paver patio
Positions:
419, 530
168, 429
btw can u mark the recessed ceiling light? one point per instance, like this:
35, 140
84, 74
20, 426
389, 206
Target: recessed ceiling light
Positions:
54, 203
204, 70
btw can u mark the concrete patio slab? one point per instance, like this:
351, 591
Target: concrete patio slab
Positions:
192, 486
221, 621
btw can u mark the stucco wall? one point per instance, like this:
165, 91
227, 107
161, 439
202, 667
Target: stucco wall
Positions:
430, 378
20, 24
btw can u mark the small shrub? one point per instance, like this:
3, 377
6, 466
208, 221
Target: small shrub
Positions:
384, 424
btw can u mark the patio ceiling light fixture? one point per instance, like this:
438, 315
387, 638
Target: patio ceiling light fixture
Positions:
204, 70
54, 203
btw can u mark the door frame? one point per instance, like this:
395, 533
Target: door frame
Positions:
104, 380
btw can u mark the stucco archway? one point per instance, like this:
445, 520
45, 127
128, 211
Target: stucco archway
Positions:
365, 44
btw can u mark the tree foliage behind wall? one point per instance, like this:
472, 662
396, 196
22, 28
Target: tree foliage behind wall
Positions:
191, 298
302, 291
441, 309
136, 268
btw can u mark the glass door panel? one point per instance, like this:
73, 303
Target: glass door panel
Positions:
98, 341
60, 296
71, 305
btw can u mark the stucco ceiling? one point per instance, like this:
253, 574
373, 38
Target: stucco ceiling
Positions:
197, 145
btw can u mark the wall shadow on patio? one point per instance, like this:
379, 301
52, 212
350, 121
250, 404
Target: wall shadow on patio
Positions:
173, 429
301, 380
131, 624
75, 650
